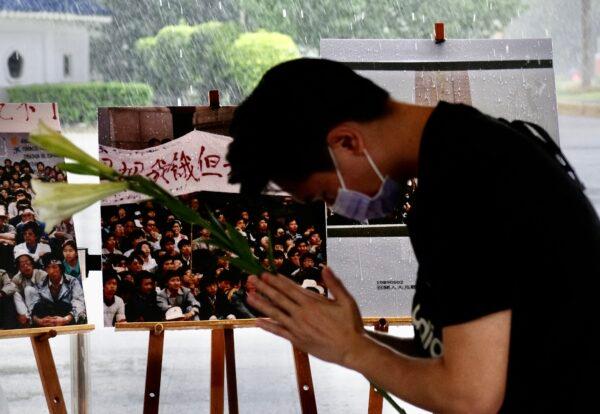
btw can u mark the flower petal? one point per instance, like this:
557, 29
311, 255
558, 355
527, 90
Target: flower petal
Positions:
55, 202
56, 143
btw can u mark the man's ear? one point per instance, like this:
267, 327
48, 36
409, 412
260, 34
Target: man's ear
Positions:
346, 136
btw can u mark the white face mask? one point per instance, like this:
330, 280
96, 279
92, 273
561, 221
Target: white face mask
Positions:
358, 206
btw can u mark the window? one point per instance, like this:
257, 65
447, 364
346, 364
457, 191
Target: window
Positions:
67, 66
15, 65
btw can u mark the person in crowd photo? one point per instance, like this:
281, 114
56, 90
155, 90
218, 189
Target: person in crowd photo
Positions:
114, 307
59, 298
174, 294
143, 304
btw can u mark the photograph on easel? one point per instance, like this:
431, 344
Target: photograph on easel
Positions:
157, 267
507, 78
40, 275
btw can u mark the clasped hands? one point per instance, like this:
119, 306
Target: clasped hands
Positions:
328, 328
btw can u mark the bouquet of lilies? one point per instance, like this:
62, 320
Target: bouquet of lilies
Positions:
55, 202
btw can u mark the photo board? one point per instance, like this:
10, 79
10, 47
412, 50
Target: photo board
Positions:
157, 267
40, 272
508, 78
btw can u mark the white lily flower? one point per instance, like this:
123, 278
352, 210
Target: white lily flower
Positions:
55, 202
56, 143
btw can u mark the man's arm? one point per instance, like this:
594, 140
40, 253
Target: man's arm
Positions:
406, 346
469, 377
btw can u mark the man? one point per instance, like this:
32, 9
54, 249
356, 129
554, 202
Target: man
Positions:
176, 295
114, 307
20, 194
492, 296
215, 304
59, 299
142, 306
25, 283
292, 229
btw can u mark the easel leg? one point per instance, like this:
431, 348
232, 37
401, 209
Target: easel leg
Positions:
306, 391
48, 375
154, 371
217, 371
376, 399
232, 397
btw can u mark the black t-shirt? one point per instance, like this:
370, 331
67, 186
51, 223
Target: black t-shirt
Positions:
498, 224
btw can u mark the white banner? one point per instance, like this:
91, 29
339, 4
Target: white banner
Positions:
194, 162
24, 117
17, 120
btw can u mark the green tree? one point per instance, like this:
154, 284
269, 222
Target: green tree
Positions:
112, 52
310, 20
253, 54
115, 57
184, 61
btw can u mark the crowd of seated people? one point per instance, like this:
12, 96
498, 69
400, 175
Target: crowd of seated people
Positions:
156, 267
40, 278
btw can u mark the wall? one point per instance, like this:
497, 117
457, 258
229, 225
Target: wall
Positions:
42, 44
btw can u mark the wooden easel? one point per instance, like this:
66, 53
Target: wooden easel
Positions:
40, 342
222, 363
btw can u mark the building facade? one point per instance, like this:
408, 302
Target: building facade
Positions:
46, 41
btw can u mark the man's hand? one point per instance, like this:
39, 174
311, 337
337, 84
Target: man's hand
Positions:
188, 316
23, 320
330, 329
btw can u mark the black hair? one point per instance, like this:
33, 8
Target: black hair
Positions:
108, 274
183, 242
165, 240
136, 234
33, 226
207, 281
141, 275
292, 109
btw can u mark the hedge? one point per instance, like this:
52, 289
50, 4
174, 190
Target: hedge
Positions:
79, 102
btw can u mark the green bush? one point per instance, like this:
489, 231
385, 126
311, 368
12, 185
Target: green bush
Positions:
253, 54
79, 102
184, 61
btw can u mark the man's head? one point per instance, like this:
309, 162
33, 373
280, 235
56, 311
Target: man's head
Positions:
302, 246
25, 264
300, 107
167, 244
145, 282
173, 281
135, 263
27, 215
185, 247
294, 256
209, 285
53, 267
292, 226
307, 260
110, 283
30, 232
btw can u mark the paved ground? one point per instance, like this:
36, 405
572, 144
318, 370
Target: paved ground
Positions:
265, 366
